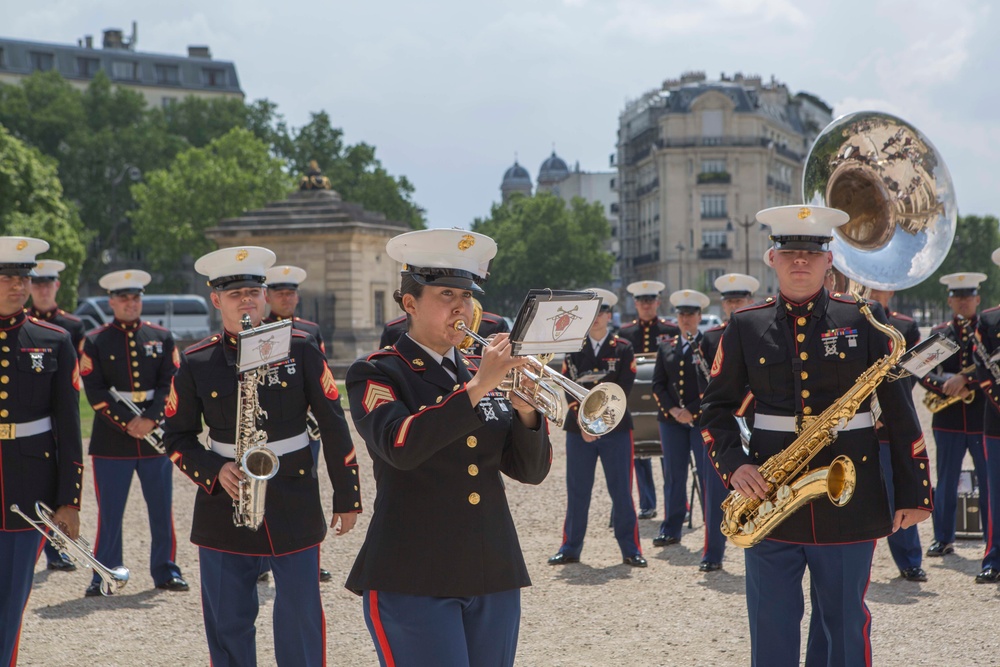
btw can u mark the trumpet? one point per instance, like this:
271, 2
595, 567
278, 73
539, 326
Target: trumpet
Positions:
112, 579
155, 437
601, 408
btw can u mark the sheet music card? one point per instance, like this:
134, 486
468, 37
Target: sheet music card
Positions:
553, 321
266, 344
923, 357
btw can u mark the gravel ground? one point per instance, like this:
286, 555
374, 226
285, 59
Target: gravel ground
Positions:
598, 612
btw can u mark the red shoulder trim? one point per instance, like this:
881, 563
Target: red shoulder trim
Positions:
69, 316
53, 327
766, 303
843, 298
147, 323
202, 344
491, 320
903, 317
630, 324
401, 318
100, 329
299, 334
303, 320
988, 310
389, 352
938, 327
717, 328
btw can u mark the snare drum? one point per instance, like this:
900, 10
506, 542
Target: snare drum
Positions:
644, 410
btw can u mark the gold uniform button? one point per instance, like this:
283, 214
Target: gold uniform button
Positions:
473, 470
355, 487
284, 384
3, 395
301, 471
134, 354
4, 379
807, 410
762, 360
78, 485
4, 363
864, 458
47, 456
925, 482
135, 364
471, 441
354, 472
131, 343
927, 501
215, 394
455, 388
922, 466
680, 382
76, 501
4, 413
112, 357
357, 504
804, 375
438, 399
805, 393
135, 374
725, 476
681, 373
3, 335
474, 498
5, 348
803, 356
800, 337
196, 473
842, 355
801, 321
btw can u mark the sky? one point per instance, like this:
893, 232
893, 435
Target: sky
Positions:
449, 92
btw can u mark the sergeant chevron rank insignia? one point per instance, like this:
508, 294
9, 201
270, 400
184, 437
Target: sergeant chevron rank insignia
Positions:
376, 394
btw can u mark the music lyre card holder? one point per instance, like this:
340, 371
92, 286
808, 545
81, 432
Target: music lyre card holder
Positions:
553, 321
267, 344
924, 356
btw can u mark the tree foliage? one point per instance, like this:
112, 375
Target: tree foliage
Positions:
976, 237
175, 206
542, 242
32, 204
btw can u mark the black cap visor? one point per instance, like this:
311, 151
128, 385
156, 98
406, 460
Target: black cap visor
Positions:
281, 286
688, 310
225, 283
798, 242
22, 269
736, 295
436, 277
964, 291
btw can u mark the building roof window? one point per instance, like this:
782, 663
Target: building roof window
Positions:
124, 70
213, 77
168, 75
87, 67
41, 62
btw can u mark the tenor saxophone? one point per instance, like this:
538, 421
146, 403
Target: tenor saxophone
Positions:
257, 463
747, 521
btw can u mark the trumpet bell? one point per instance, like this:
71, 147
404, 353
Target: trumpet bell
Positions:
890, 179
602, 409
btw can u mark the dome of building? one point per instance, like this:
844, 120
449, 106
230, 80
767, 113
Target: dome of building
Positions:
553, 170
516, 178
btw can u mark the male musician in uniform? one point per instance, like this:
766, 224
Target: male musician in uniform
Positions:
293, 527
800, 353
283, 296
137, 359
646, 332
904, 544
959, 427
40, 450
606, 358
679, 379
988, 332
44, 289
736, 290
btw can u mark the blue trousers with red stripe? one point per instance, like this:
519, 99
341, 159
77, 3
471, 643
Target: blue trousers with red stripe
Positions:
425, 631
18, 554
677, 440
950, 448
992, 529
229, 603
645, 483
112, 479
840, 626
904, 544
615, 452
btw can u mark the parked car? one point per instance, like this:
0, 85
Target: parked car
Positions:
708, 321
185, 315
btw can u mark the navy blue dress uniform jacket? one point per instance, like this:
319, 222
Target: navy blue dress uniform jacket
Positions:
648, 336
490, 324
60, 318
205, 387
137, 359
38, 378
442, 526
307, 326
616, 358
834, 344
911, 333
958, 417
988, 335
677, 380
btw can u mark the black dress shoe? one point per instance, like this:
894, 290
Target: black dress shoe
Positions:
635, 561
662, 540
913, 574
324, 575
93, 590
62, 564
940, 548
562, 559
265, 577
989, 575
647, 514
175, 584
709, 566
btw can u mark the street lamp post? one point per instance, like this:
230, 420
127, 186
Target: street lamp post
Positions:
747, 223
680, 265
133, 174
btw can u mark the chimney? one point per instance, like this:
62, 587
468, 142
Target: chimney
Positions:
199, 52
89, 41
113, 38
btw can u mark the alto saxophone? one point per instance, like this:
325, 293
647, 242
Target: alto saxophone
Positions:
747, 521
257, 463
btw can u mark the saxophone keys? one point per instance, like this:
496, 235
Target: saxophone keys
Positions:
783, 495
766, 508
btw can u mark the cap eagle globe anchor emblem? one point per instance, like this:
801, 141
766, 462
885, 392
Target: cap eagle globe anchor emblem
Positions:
22, 244
561, 321
241, 255
466, 242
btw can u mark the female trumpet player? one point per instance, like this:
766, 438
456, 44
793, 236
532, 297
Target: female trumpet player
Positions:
441, 568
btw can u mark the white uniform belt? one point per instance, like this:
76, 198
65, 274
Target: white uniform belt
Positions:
787, 424
279, 447
138, 395
25, 430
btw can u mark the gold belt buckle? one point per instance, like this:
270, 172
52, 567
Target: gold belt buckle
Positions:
138, 396
8, 431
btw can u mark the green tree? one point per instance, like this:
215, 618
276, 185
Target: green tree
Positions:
541, 242
975, 239
32, 204
175, 206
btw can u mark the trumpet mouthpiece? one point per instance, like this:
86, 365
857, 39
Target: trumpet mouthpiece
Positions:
460, 326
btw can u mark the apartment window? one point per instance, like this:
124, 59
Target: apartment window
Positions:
167, 102
711, 275
124, 70
215, 78
713, 238
713, 166
168, 75
711, 126
379, 303
87, 67
41, 62
713, 206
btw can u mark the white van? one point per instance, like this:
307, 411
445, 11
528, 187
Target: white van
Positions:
184, 315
